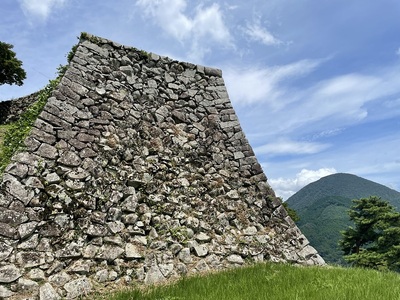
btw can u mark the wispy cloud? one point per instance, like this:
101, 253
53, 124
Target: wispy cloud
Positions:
377, 161
169, 15
288, 147
261, 34
40, 9
326, 133
345, 99
314, 107
392, 104
252, 85
204, 28
286, 187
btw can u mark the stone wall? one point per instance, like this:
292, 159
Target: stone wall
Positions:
136, 170
11, 110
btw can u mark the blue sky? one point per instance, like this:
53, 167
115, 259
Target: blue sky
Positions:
316, 84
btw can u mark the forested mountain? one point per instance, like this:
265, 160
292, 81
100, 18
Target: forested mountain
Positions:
323, 205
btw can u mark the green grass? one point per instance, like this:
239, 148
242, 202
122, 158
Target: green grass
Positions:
274, 281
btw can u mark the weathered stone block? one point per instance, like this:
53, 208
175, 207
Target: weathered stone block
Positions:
47, 292
9, 273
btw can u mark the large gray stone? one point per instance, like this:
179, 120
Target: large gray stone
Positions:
235, 259
18, 190
25, 230
70, 159
29, 244
12, 217
78, 287
7, 231
47, 292
30, 259
110, 252
47, 151
60, 279
201, 250
5, 250
132, 251
9, 273
5, 292
27, 286
19, 170
154, 275
97, 230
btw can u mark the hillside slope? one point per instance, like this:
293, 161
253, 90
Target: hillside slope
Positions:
323, 205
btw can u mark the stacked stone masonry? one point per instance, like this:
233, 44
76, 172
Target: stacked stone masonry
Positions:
11, 110
137, 170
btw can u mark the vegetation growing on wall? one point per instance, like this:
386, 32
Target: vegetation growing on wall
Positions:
291, 212
14, 134
17, 132
90, 38
3, 130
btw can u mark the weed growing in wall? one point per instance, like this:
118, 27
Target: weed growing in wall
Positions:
91, 38
17, 132
71, 54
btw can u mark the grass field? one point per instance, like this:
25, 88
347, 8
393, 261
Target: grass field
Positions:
274, 281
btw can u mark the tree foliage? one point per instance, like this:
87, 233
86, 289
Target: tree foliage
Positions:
11, 71
291, 212
323, 205
374, 241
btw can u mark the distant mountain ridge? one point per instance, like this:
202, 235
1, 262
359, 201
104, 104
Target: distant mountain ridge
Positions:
323, 209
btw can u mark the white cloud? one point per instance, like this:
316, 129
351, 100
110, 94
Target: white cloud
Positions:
339, 99
252, 85
204, 28
327, 133
262, 35
40, 8
343, 100
398, 51
286, 187
317, 106
169, 16
392, 104
208, 22
285, 147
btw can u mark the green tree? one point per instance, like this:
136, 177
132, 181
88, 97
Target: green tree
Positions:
374, 241
11, 71
291, 212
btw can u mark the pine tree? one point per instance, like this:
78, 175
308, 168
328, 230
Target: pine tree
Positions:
374, 241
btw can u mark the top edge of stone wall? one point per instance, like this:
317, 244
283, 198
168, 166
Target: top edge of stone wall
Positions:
94, 39
11, 109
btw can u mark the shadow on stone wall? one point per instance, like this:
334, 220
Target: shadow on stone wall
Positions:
10, 110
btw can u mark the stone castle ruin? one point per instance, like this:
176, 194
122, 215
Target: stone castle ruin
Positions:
136, 170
